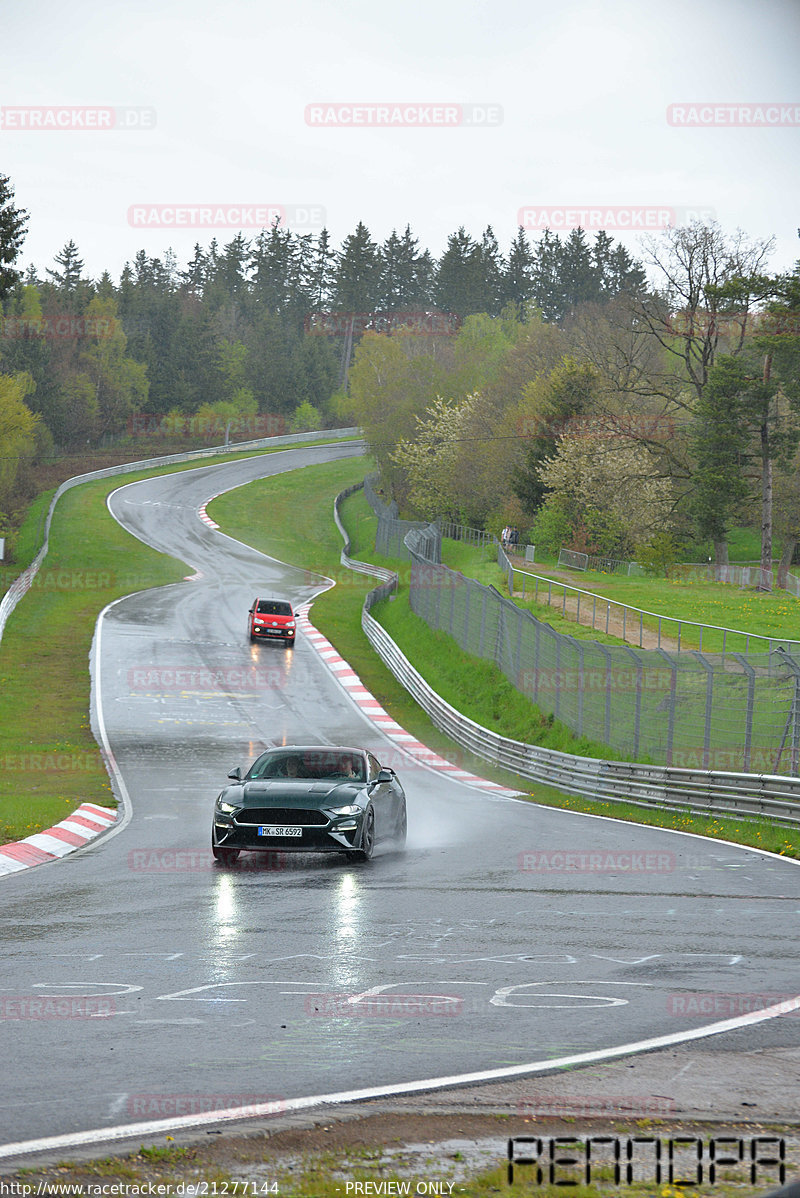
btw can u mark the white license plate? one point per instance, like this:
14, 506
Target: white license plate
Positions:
279, 830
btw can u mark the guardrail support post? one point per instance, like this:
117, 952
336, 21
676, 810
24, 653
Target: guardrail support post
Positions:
794, 712
751, 698
709, 669
609, 689
577, 649
637, 715
673, 688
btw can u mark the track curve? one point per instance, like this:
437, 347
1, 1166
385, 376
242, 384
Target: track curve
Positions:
212, 989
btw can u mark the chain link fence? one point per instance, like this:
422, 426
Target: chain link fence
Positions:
693, 710
392, 531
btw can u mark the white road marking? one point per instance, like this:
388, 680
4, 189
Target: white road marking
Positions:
101, 1135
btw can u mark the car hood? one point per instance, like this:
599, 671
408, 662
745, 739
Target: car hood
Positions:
302, 792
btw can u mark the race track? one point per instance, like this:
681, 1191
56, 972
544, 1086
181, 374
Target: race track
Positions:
215, 988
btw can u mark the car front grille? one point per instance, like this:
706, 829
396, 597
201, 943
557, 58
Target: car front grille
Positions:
280, 815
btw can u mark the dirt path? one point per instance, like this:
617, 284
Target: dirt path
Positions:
606, 615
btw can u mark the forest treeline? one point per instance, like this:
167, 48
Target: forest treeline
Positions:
645, 424
552, 386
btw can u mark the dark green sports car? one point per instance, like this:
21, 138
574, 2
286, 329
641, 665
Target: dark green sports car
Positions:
309, 799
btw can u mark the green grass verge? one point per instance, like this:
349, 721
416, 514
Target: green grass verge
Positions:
338, 614
49, 761
52, 762
775, 614
481, 565
475, 687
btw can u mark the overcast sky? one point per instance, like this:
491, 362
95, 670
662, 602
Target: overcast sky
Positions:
578, 108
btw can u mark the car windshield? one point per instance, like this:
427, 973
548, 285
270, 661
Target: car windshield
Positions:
271, 607
310, 765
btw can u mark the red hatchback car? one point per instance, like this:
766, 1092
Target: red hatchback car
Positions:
271, 620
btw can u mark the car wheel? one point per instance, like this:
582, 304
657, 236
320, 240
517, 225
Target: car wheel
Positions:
367, 837
223, 855
402, 828
290, 643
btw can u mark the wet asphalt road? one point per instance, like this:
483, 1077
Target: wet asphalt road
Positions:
205, 984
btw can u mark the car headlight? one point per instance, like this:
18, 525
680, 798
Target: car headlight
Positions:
352, 809
226, 808
290, 623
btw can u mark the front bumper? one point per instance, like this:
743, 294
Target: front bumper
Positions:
273, 634
341, 834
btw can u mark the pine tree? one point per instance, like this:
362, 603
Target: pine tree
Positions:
548, 294
405, 273
68, 279
518, 282
579, 276
494, 270
195, 277
322, 273
460, 277
13, 225
357, 286
271, 268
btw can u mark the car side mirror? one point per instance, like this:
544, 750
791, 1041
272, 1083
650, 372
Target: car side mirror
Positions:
236, 774
385, 775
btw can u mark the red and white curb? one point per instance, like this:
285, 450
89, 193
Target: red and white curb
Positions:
204, 516
371, 708
74, 832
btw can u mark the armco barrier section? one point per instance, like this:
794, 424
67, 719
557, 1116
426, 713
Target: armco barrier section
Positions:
23, 583
771, 797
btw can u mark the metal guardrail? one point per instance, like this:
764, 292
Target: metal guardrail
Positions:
21, 585
751, 796
574, 559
